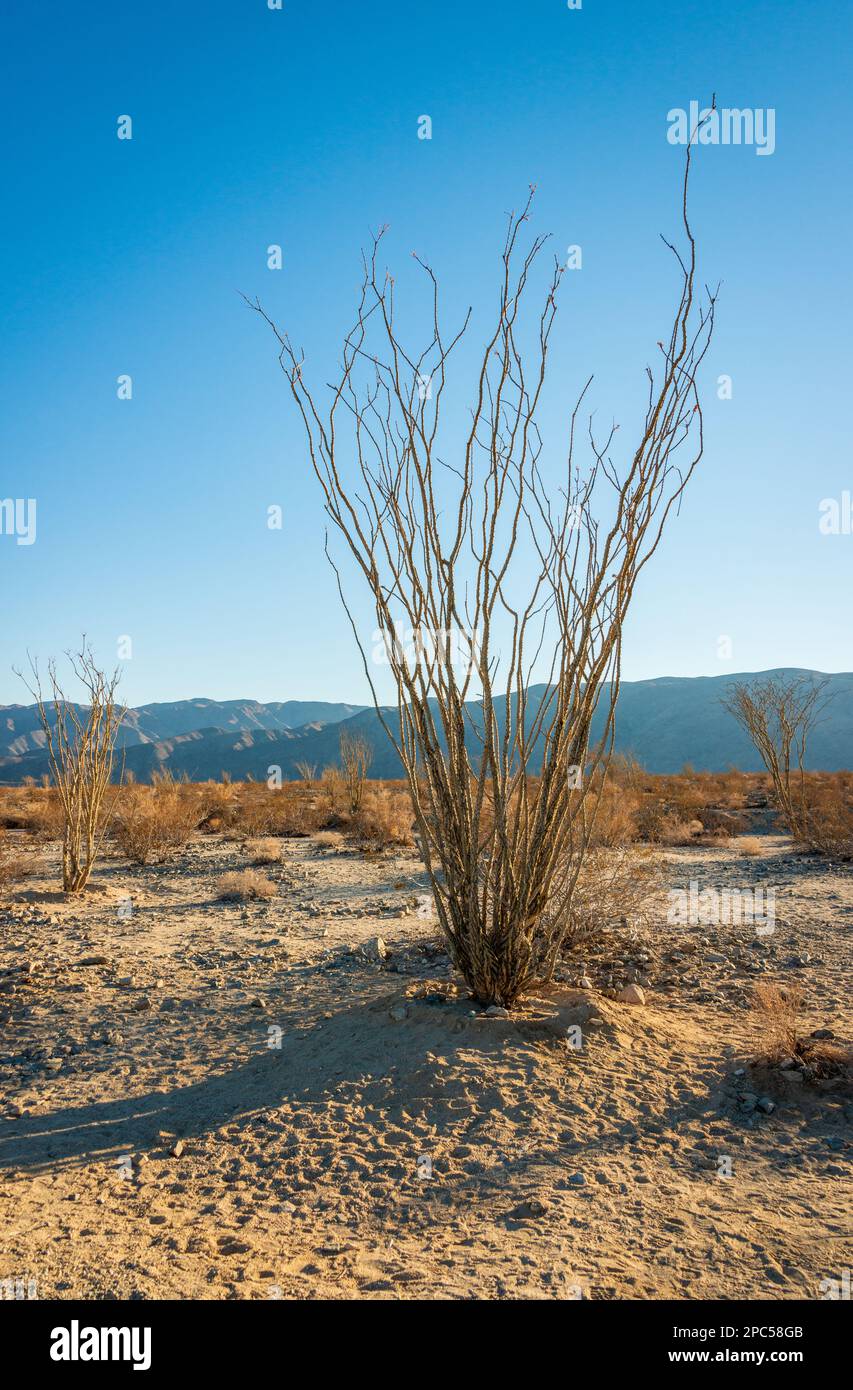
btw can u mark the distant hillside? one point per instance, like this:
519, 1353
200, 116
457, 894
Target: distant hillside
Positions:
665, 723
21, 731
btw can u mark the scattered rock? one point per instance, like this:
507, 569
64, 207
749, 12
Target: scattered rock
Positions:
375, 949
528, 1210
632, 994
231, 1246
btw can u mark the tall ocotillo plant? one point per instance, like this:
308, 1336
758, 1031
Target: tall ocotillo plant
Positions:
436, 543
80, 742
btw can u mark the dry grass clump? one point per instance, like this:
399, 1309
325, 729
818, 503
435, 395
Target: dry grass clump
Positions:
777, 1008
266, 851
384, 819
328, 839
749, 845
244, 885
13, 867
153, 823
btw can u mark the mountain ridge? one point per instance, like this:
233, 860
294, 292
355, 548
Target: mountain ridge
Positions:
664, 722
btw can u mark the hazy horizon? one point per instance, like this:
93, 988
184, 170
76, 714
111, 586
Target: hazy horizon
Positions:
334, 699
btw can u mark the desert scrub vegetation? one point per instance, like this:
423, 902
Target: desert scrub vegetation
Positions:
783, 1042
616, 884
14, 866
495, 572
245, 885
779, 713
748, 845
384, 819
266, 851
81, 743
333, 795
356, 757
36, 809
153, 823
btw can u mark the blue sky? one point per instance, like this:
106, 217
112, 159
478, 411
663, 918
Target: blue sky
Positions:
299, 127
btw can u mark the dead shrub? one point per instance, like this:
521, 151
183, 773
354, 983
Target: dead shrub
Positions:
217, 806
356, 757
308, 773
829, 818
384, 819
46, 815
13, 867
153, 823
333, 790
616, 806
777, 1008
749, 845
328, 840
675, 832
612, 885
297, 817
244, 885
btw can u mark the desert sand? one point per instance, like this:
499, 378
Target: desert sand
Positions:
296, 1099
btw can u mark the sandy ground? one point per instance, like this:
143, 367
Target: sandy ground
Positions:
204, 1100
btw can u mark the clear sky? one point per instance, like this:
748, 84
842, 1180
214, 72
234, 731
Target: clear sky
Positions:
299, 127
